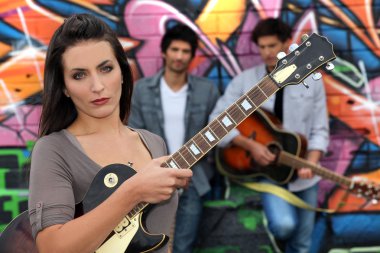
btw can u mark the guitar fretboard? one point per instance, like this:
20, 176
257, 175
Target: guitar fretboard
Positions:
296, 162
209, 136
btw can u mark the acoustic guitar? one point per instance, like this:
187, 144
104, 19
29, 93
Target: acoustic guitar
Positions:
130, 235
289, 148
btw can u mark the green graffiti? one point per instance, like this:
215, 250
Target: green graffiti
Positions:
17, 197
13, 205
250, 218
2, 177
19, 153
220, 203
375, 249
341, 68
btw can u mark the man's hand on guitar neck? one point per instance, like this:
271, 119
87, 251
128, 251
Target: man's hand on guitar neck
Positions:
259, 152
313, 156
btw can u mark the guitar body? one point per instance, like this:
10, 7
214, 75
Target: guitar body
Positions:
263, 127
130, 236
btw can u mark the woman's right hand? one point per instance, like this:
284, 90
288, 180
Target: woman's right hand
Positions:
156, 183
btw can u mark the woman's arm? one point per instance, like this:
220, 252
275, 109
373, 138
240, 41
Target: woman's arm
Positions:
86, 233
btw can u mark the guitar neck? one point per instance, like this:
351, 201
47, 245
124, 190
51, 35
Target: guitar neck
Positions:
209, 136
291, 160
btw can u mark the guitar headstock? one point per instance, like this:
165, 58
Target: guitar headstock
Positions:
314, 52
366, 189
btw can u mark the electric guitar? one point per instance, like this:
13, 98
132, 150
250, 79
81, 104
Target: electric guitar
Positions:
130, 235
289, 148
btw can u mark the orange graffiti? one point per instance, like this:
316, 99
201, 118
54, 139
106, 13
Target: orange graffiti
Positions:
353, 109
22, 76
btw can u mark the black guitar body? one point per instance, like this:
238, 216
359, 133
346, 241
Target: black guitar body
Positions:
98, 192
17, 237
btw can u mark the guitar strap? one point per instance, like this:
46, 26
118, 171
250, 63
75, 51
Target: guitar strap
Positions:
282, 193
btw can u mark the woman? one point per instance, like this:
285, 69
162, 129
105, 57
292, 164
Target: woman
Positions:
86, 99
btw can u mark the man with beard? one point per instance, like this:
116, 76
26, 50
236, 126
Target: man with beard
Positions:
176, 106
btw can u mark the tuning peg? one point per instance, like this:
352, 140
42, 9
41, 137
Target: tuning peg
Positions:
281, 55
330, 66
306, 85
293, 47
317, 76
304, 37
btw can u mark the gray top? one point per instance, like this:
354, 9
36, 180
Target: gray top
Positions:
147, 113
61, 174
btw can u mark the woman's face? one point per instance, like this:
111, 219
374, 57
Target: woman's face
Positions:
92, 77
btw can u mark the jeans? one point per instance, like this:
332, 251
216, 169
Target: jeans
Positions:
291, 224
189, 214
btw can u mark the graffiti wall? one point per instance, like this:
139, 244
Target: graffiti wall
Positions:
353, 87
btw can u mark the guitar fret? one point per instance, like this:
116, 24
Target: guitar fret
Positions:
236, 113
245, 105
209, 136
140, 206
250, 99
220, 123
186, 153
231, 118
225, 121
257, 95
194, 149
173, 163
268, 87
180, 162
184, 158
165, 164
201, 143
258, 86
218, 129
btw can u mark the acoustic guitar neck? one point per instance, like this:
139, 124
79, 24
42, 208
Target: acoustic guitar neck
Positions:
291, 160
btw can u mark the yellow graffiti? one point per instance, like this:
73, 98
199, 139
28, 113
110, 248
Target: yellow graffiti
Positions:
219, 19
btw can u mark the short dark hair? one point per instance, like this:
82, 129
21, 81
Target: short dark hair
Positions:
180, 32
271, 26
58, 111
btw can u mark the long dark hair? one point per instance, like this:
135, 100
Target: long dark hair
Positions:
58, 111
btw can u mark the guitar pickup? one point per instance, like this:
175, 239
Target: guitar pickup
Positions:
125, 226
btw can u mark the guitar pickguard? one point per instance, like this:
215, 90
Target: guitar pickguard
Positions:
123, 236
